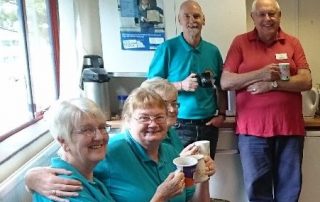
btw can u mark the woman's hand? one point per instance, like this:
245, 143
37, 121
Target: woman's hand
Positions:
44, 181
191, 149
210, 165
172, 186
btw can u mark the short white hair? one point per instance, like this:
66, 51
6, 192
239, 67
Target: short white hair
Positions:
63, 115
254, 6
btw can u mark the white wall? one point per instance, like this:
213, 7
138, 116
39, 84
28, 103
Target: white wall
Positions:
224, 20
220, 28
80, 35
309, 34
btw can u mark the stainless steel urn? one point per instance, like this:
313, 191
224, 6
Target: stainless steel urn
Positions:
95, 84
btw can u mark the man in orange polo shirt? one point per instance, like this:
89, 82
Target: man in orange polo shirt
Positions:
269, 118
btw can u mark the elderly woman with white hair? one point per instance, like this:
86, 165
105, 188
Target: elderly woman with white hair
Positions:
79, 126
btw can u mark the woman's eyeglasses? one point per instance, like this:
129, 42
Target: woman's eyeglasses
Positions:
148, 119
92, 131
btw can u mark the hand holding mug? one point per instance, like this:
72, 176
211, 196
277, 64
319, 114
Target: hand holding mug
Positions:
173, 185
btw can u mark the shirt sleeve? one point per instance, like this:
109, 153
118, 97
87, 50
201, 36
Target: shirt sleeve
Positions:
158, 66
189, 192
299, 56
219, 69
234, 56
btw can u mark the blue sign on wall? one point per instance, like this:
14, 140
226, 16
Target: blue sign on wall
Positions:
141, 41
142, 24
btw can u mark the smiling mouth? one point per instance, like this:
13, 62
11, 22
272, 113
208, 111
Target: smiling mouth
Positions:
96, 146
193, 27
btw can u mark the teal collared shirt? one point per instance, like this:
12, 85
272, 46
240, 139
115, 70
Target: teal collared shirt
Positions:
129, 173
173, 140
93, 191
175, 60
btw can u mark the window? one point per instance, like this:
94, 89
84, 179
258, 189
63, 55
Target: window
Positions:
28, 75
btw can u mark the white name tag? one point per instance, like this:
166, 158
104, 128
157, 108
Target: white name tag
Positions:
281, 56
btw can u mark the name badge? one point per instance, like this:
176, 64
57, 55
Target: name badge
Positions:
281, 56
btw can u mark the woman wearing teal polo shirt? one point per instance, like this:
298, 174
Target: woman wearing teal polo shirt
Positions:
79, 127
138, 166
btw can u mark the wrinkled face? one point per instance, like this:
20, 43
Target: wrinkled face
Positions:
148, 126
88, 143
266, 19
172, 107
191, 19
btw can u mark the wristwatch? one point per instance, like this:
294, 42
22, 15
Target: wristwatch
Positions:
274, 84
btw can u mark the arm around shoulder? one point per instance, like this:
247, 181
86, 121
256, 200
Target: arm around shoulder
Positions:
44, 181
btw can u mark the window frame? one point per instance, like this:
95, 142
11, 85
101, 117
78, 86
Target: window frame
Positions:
53, 22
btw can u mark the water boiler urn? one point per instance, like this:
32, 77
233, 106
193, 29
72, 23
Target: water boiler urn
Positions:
95, 82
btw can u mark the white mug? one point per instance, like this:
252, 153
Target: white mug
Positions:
284, 71
204, 147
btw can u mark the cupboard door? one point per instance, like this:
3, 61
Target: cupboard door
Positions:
311, 168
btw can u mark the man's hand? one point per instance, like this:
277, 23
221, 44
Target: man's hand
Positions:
190, 83
270, 72
44, 181
216, 121
260, 87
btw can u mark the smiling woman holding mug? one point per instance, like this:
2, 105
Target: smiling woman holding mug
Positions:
139, 165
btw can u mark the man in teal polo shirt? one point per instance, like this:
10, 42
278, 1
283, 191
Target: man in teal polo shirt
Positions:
181, 60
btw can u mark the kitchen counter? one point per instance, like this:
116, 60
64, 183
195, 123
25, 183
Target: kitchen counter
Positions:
310, 123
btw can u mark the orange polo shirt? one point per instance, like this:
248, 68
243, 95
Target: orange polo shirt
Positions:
275, 112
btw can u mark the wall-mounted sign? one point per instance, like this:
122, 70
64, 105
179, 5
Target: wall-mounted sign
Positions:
142, 24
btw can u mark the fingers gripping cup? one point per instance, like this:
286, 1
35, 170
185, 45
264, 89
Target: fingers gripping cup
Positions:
284, 71
200, 173
186, 164
204, 147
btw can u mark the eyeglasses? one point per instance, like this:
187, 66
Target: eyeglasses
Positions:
92, 131
174, 105
147, 119
264, 14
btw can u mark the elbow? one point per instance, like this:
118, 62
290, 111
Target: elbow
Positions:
224, 84
308, 83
